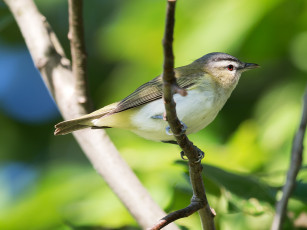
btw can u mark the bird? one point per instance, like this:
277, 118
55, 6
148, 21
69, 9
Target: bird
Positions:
208, 81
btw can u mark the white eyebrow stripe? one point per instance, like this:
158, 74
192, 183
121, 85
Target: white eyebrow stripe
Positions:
225, 63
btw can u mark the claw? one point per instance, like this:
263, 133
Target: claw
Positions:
201, 156
168, 131
183, 156
183, 129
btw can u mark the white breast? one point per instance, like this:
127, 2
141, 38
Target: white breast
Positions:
196, 110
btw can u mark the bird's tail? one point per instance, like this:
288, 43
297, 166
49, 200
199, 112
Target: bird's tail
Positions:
83, 122
66, 127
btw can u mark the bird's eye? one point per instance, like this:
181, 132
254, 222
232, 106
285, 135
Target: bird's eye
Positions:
230, 67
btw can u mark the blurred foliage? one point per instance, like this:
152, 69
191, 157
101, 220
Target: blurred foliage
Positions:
47, 183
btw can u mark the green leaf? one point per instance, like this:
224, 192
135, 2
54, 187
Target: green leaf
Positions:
251, 206
244, 186
300, 191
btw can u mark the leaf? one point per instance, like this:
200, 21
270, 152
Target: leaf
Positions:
211, 186
251, 206
300, 191
244, 186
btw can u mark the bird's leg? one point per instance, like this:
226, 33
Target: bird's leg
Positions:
169, 132
157, 117
168, 129
200, 156
183, 129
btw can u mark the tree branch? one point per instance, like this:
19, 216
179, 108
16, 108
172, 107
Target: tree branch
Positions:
192, 152
185, 212
295, 165
55, 70
78, 51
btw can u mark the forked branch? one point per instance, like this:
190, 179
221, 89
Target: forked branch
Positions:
199, 200
55, 70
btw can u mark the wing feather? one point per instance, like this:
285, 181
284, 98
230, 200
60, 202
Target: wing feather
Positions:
152, 91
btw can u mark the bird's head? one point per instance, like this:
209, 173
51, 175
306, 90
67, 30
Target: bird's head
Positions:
224, 68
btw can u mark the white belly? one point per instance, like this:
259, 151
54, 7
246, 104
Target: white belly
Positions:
196, 110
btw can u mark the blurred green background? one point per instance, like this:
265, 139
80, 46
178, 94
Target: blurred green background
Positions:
47, 183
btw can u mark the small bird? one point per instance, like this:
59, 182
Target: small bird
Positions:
209, 81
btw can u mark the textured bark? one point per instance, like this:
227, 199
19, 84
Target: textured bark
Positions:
295, 166
56, 72
199, 200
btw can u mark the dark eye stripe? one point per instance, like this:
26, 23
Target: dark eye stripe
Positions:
227, 59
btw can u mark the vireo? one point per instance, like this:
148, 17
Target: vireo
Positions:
208, 81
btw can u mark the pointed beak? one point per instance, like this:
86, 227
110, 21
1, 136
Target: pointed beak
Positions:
250, 66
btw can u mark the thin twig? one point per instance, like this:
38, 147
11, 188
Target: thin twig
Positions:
192, 152
78, 51
185, 212
55, 70
295, 165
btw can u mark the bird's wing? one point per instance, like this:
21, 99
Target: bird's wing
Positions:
147, 92
151, 91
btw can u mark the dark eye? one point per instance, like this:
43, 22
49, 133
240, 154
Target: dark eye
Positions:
230, 67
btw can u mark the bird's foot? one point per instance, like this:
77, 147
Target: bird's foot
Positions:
183, 129
183, 156
168, 129
157, 117
200, 156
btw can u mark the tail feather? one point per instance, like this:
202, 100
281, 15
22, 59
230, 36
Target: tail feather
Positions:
69, 126
83, 122
66, 127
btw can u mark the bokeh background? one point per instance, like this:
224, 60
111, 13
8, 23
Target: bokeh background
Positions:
47, 183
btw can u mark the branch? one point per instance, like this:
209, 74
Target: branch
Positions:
185, 212
55, 70
295, 165
78, 52
192, 152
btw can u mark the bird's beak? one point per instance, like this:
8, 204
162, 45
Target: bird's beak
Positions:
251, 66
